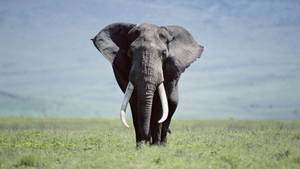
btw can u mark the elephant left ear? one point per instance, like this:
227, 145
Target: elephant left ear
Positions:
183, 51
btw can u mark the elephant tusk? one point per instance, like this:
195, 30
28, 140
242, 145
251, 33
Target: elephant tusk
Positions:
164, 102
126, 99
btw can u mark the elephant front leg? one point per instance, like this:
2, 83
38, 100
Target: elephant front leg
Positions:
172, 92
135, 118
155, 127
166, 124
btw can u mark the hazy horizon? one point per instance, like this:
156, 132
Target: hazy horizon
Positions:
249, 68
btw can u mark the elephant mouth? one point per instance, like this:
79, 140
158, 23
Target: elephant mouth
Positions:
127, 96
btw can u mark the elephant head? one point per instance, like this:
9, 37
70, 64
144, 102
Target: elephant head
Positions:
144, 58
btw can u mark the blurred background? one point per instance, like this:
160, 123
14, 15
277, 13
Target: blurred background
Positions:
250, 68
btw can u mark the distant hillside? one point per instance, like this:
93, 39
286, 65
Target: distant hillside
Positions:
16, 105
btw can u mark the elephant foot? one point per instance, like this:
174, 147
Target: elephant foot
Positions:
141, 144
163, 143
160, 144
157, 143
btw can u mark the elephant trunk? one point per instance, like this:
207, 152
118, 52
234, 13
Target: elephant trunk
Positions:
144, 109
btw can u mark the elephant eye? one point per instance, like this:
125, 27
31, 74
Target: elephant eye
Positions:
162, 36
164, 54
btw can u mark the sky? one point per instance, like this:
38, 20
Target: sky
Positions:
249, 68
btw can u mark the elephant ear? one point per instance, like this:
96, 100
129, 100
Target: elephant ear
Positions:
183, 51
113, 42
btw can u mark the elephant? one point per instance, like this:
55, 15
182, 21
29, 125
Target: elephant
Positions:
147, 62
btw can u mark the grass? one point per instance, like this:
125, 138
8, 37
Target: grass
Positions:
105, 143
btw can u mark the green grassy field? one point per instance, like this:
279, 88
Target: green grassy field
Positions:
105, 143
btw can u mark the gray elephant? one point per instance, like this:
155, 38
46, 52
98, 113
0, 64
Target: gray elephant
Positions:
147, 61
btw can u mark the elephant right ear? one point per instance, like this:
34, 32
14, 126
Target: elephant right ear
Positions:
113, 40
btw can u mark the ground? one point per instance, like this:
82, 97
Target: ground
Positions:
105, 143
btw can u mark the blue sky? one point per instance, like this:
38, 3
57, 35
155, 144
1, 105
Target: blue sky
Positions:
249, 69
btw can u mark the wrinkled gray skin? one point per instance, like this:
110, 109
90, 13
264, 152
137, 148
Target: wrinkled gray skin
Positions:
148, 55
